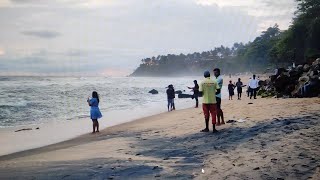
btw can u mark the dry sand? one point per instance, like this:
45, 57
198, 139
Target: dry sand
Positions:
279, 139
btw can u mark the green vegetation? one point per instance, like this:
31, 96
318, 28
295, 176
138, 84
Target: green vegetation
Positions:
273, 48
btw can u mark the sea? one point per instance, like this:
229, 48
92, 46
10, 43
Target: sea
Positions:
37, 100
59, 104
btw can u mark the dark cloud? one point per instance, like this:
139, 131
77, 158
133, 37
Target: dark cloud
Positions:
42, 34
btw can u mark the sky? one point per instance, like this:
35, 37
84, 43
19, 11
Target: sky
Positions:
110, 37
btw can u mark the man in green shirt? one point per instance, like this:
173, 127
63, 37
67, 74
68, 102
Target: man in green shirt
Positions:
209, 88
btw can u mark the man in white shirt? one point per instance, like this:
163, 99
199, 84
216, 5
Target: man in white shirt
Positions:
253, 86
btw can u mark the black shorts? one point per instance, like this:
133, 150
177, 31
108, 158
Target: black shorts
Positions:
218, 102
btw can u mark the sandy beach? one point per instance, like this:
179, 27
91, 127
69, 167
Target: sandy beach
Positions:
275, 139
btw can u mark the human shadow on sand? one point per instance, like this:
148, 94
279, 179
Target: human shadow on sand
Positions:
184, 155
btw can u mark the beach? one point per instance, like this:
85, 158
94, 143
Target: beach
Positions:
271, 139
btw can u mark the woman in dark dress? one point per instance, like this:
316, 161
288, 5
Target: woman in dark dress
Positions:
231, 89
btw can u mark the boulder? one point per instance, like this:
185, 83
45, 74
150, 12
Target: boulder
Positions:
316, 62
262, 83
281, 82
300, 67
153, 91
304, 79
273, 77
185, 96
306, 68
296, 91
295, 73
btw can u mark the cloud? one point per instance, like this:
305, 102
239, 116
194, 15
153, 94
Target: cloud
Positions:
112, 36
268, 12
42, 34
24, 1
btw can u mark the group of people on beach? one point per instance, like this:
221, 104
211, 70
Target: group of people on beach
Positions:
253, 86
209, 89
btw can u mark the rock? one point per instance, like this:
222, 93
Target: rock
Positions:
153, 91
178, 92
316, 62
273, 77
289, 83
25, 129
306, 68
300, 67
295, 74
257, 168
296, 91
304, 79
37, 128
262, 83
185, 96
231, 121
281, 82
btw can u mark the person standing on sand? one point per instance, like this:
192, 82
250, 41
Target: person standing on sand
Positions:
253, 85
95, 113
195, 90
239, 86
208, 88
231, 89
248, 88
219, 80
170, 96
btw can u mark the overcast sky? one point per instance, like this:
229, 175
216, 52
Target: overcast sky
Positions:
110, 37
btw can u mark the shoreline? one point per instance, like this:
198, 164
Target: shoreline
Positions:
88, 136
77, 129
68, 129
279, 138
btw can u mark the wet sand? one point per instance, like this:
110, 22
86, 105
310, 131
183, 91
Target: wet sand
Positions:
279, 139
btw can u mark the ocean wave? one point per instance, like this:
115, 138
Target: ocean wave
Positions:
14, 103
5, 79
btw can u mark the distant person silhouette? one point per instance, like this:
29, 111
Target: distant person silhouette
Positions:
248, 88
239, 86
231, 90
170, 96
195, 90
